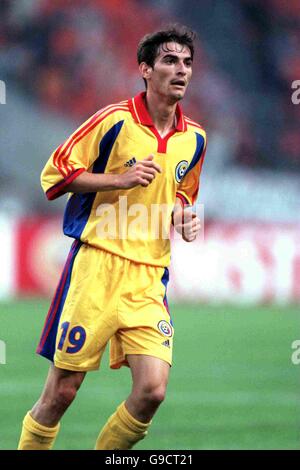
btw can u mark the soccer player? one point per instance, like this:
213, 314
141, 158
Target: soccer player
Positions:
121, 162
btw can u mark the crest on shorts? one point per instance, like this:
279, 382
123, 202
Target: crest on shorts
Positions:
180, 170
165, 328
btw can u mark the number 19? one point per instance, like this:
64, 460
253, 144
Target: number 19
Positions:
76, 338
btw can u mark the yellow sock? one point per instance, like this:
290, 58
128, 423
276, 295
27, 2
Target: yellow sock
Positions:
35, 436
121, 431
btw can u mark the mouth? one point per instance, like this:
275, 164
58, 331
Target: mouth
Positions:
178, 83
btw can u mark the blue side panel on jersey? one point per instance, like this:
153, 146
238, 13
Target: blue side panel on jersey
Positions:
77, 212
79, 206
165, 278
198, 151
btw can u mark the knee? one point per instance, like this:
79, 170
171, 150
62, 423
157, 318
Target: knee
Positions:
64, 396
153, 395
59, 400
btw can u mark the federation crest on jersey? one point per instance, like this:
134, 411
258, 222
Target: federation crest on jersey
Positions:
165, 328
180, 170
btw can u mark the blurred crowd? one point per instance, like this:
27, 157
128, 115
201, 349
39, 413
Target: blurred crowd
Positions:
75, 57
274, 30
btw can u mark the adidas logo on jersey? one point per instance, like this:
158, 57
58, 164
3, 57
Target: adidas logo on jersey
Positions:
130, 162
166, 343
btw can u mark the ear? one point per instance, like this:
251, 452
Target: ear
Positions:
145, 70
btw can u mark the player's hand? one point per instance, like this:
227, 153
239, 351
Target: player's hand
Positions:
187, 223
142, 173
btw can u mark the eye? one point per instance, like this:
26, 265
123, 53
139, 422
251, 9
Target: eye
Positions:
169, 60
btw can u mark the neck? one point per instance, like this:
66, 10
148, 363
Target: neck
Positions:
163, 114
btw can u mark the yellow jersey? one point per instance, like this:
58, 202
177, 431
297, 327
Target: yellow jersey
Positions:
130, 223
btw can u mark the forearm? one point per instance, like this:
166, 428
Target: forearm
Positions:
93, 182
178, 210
141, 174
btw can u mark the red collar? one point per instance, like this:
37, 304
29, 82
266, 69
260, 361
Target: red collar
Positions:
141, 115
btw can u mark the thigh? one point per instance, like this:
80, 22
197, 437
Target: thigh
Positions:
148, 371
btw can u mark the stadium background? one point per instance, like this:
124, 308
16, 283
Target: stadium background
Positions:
235, 298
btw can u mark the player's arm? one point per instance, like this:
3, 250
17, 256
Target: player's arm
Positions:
142, 173
69, 167
185, 221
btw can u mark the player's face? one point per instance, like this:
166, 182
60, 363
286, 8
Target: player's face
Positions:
171, 72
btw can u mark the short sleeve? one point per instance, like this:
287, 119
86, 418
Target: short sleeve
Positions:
77, 154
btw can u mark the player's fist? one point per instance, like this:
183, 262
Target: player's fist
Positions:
187, 223
142, 173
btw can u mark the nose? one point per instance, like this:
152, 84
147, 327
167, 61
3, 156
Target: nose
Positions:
181, 68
